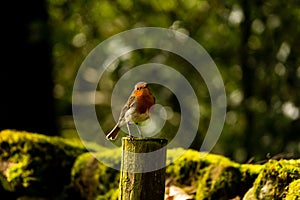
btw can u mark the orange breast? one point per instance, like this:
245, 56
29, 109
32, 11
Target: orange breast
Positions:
144, 100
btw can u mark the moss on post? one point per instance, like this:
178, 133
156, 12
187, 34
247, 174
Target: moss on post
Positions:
143, 168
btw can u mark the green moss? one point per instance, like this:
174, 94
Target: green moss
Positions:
112, 194
219, 182
214, 176
186, 169
226, 181
79, 165
36, 164
93, 180
293, 192
274, 179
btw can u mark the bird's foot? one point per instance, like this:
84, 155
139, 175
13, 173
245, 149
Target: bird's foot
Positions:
129, 133
131, 137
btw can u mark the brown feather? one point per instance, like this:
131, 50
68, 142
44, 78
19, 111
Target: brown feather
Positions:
112, 135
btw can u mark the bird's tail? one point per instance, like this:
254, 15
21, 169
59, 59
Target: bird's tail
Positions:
113, 133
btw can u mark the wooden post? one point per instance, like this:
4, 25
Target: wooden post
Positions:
143, 169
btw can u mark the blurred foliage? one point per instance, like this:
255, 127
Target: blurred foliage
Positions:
255, 45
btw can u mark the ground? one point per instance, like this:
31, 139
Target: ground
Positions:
34, 165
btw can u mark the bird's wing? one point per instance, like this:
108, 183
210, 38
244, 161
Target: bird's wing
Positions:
130, 102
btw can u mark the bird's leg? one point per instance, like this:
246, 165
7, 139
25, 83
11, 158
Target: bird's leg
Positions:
130, 135
140, 133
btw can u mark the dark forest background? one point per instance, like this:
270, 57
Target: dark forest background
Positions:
255, 45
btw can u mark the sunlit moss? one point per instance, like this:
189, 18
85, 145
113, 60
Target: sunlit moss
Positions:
213, 176
188, 165
35, 163
274, 179
38, 165
219, 181
293, 192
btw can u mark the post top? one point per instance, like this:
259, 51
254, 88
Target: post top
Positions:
160, 140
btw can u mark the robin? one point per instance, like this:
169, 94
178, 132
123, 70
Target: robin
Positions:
135, 110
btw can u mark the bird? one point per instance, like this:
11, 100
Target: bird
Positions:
135, 110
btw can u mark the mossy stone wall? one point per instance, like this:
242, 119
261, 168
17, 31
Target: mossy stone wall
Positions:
38, 166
